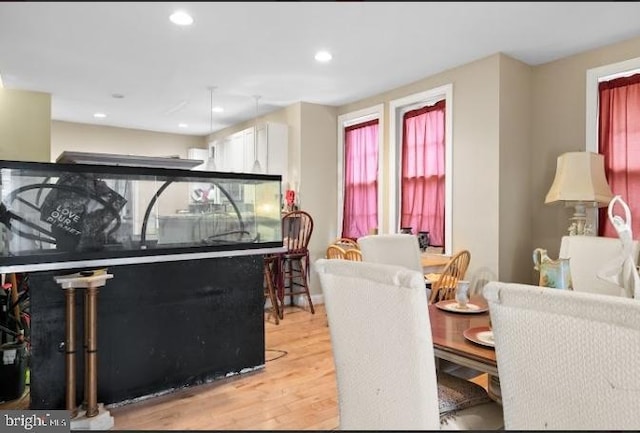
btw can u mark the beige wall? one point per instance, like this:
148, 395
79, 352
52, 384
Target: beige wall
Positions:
476, 154
25, 122
81, 137
558, 126
318, 177
514, 218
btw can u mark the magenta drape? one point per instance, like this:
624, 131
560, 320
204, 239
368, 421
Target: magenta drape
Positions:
619, 142
360, 212
423, 171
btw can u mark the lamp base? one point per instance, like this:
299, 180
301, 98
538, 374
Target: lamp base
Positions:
579, 224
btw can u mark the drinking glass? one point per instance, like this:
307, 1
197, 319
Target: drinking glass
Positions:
462, 293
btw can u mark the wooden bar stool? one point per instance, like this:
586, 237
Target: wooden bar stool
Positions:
297, 227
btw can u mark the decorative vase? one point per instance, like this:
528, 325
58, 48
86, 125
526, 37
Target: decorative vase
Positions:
423, 240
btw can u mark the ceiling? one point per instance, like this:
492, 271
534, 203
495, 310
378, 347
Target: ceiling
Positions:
84, 53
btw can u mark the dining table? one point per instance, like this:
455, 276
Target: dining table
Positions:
433, 263
449, 341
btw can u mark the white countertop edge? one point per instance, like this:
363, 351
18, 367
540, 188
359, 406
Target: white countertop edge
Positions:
35, 267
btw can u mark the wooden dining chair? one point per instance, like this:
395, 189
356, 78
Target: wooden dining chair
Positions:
444, 288
346, 243
353, 254
335, 252
385, 370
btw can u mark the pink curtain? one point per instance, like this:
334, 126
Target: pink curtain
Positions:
619, 142
360, 211
423, 171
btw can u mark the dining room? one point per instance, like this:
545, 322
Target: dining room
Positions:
503, 122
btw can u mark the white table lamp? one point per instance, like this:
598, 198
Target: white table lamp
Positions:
580, 182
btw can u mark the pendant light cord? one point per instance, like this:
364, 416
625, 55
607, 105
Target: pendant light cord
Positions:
257, 168
255, 138
211, 112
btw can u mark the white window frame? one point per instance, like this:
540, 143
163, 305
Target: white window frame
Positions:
397, 108
594, 77
344, 121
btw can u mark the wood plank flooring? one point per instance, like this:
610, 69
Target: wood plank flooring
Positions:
296, 389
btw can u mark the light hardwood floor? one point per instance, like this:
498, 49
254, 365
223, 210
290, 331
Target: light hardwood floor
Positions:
296, 389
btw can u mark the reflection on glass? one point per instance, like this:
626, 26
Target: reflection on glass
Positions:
47, 209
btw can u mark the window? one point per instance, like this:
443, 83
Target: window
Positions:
360, 209
619, 142
423, 172
420, 164
359, 148
613, 129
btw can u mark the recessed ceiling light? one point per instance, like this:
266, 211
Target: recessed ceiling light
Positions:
181, 18
182, 125
217, 109
117, 95
323, 56
99, 115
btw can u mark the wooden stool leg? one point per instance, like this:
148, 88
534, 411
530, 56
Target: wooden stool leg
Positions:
270, 291
295, 280
305, 281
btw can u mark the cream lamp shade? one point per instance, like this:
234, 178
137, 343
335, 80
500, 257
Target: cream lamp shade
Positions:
580, 182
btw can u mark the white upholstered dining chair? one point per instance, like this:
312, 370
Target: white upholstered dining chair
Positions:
588, 256
384, 358
567, 360
392, 249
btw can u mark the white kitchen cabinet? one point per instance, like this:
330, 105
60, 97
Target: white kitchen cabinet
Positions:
233, 157
249, 154
216, 152
236, 153
273, 149
201, 154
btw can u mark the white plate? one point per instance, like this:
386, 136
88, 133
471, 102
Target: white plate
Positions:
481, 335
453, 306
